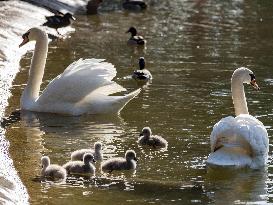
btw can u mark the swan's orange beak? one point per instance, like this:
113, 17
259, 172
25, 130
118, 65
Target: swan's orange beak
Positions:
25, 40
254, 84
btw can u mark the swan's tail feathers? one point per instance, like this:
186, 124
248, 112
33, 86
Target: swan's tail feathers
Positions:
123, 100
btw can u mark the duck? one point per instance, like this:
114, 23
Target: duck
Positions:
52, 171
142, 73
97, 152
92, 6
59, 20
134, 5
146, 138
135, 39
81, 167
83, 87
240, 141
120, 163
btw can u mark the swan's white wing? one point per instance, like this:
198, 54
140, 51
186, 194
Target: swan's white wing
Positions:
80, 79
245, 132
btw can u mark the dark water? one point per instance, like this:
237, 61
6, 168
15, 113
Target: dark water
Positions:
193, 48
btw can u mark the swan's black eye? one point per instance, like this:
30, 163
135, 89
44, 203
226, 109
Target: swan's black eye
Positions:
25, 35
252, 76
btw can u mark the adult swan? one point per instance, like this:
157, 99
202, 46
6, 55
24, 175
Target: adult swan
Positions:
241, 141
83, 88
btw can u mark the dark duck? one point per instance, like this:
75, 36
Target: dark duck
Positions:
136, 5
142, 73
59, 20
92, 6
135, 39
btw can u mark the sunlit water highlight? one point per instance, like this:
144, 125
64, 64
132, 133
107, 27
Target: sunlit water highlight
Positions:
192, 51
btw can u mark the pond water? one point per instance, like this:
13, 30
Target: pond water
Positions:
193, 48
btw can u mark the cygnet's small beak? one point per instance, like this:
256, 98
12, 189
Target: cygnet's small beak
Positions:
141, 134
135, 158
254, 84
94, 160
25, 40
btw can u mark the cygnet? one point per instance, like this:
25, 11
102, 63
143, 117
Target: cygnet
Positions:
146, 138
119, 163
97, 153
81, 167
52, 171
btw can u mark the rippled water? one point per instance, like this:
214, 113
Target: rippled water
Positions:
193, 48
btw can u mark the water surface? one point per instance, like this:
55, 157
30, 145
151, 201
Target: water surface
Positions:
193, 48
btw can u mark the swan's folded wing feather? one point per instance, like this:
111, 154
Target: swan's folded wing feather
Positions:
80, 79
242, 129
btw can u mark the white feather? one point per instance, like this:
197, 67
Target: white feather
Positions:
243, 140
83, 87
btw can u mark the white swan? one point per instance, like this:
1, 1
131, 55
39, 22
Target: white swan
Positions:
83, 87
241, 141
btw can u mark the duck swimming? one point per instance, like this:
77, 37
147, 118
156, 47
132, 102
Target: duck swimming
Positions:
59, 20
92, 6
142, 73
134, 5
135, 39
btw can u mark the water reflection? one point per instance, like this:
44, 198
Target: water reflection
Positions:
193, 48
236, 186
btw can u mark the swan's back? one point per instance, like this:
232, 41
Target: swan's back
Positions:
79, 79
240, 141
84, 87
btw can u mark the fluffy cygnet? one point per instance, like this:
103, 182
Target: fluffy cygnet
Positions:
81, 167
52, 171
120, 163
146, 138
97, 153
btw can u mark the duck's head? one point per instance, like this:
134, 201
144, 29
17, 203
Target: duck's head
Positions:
146, 132
141, 63
245, 75
32, 35
88, 157
98, 146
130, 155
132, 30
69, 16
45, 161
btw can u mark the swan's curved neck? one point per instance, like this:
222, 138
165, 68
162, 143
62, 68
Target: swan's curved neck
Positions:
238, 95
36, 72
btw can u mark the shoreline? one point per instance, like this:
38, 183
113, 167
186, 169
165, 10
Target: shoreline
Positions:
16, 18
